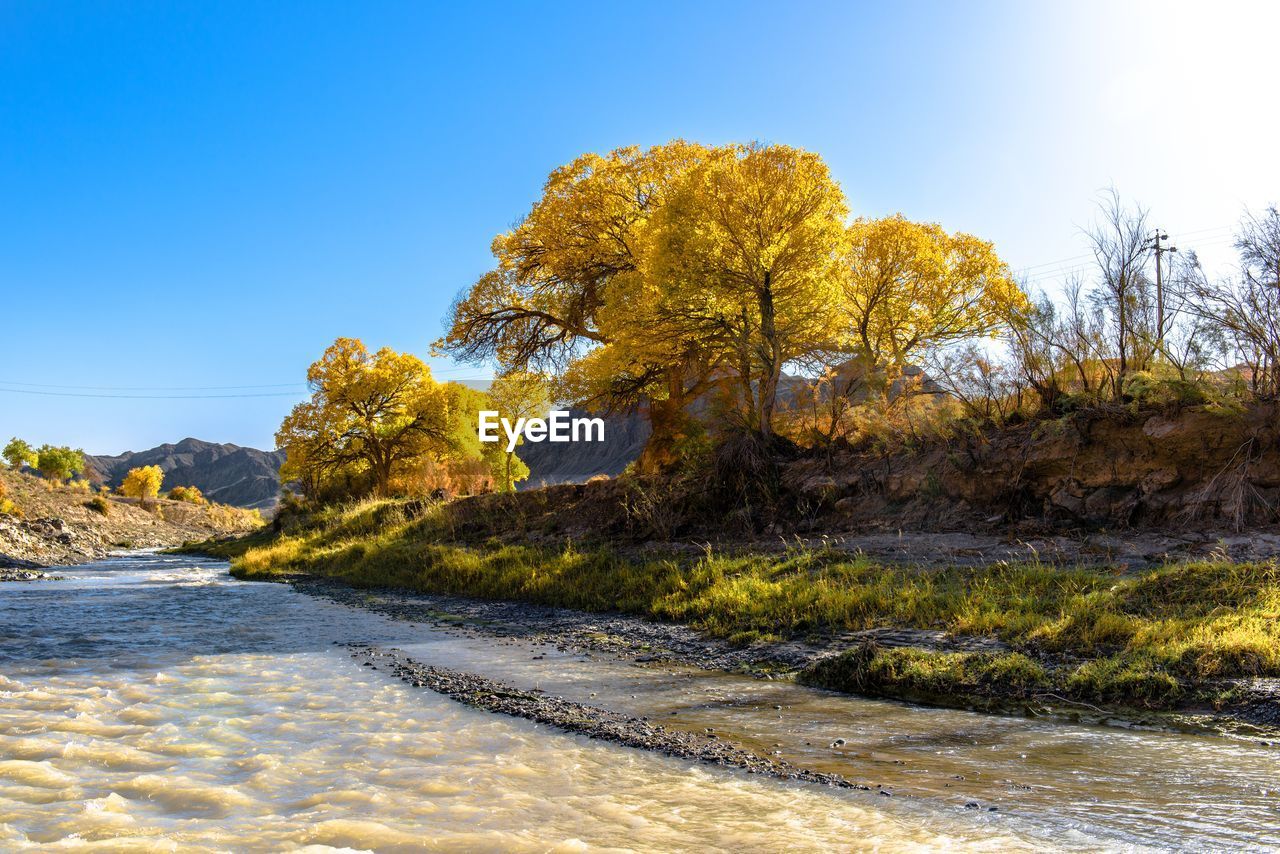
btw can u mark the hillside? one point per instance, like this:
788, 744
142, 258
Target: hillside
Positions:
56, 525
576, 462
227, 474
625, 433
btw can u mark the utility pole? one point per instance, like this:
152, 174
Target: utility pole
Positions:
1154, 243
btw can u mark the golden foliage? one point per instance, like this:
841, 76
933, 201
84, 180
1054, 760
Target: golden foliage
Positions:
368, 414
189, 494
142, 483
654, 276
912, 286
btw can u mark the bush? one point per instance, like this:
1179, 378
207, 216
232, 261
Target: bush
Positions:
99, 505
1148, 390
1136, 680
7, 507
189, 494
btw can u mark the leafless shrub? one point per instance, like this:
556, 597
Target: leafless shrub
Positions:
987, 388
1245, 310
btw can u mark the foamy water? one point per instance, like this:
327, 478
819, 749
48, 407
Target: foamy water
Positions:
152, 703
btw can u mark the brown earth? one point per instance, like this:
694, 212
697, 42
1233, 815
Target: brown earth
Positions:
1119, 486
58, 527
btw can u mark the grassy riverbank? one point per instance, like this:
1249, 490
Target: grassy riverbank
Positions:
1161, 639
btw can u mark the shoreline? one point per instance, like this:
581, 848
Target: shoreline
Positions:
645, 641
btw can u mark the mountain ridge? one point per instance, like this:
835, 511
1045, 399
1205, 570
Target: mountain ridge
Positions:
226, 473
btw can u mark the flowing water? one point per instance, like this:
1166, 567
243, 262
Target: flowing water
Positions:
152, 702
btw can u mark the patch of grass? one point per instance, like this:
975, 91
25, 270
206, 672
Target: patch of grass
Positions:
1132, 679
1144, 639
909, 672
98, 504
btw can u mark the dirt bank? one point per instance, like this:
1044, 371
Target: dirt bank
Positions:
1186, 478
58, 525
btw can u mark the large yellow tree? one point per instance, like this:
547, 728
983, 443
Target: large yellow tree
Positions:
143, 483
369, 413
583, 240
910, 286
650, 277
746, 261
559, 299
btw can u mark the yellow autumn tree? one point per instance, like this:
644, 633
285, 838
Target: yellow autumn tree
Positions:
189, 494
577, 257
519, 394
909, 287
582, 241
746, 263
142, 483
652, 277
369, 414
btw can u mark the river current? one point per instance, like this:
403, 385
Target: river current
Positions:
151, 702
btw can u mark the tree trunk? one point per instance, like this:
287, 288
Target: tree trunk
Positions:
667, 421
770, 357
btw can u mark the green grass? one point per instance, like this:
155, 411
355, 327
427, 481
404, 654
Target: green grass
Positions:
1147, 639
927, 675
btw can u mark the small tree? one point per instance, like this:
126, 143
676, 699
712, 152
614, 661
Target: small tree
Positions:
7, 507
189, 494
56, 464
142, 483
1124, 293
1245, 309
518, 394
370, 415
18, 453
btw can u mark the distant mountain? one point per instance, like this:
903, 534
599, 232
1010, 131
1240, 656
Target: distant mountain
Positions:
574, 462
228, 474
626, 433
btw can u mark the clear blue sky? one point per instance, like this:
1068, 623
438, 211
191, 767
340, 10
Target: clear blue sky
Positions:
206, 194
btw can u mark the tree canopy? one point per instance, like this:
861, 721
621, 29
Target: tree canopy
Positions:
18, 453
911, 286
369, 414
649, 277
57, 463
143, 483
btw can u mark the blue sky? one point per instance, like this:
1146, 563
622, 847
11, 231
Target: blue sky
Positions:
205, 195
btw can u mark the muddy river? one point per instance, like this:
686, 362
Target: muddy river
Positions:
151, 702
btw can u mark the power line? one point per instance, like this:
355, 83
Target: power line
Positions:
153, 387
147, 396
1077, 264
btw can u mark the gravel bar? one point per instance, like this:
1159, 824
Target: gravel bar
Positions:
591, 721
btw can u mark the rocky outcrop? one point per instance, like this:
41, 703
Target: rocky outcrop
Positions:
228, 474
1186, 469
66, 525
